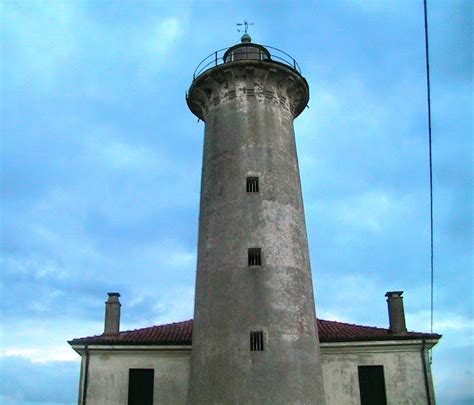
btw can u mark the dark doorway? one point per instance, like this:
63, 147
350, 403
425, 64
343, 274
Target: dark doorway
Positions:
372, 385
140, 386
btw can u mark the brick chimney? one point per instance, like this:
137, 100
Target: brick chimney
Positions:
396, 313
112, 314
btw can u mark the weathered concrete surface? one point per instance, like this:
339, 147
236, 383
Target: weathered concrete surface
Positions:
402, 362
403, 371
109, 369
248, 107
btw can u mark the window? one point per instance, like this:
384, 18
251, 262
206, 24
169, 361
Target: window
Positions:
256, 341
372, 385
140, 386
255, 257
252, 184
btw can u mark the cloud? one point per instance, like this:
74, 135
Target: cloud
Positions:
25, 382
371, 211
41, 37
120, 155
333, 298
53, 45
455, 328
41, 355
44, 339
453, 379
101, 167
164, 37
175, 305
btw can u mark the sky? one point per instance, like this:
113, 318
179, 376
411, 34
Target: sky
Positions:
101, 164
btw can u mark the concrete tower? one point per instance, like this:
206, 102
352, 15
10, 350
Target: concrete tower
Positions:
255, 339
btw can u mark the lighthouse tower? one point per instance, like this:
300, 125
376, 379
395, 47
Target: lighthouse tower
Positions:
255, 339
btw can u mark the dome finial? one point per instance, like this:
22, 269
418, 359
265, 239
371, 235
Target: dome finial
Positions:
245, 38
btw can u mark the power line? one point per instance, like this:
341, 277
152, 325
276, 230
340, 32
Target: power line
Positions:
431, 160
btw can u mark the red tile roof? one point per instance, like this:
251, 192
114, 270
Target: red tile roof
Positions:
180, 333
332, 331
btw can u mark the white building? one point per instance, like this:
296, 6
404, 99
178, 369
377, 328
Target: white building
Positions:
356, 360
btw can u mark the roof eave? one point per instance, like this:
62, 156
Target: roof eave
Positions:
429, 342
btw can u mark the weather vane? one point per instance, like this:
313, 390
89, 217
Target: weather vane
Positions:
245, 24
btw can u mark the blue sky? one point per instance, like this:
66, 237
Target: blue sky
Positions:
101, 164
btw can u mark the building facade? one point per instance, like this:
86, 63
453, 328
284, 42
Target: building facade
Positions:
395, 366
254, 338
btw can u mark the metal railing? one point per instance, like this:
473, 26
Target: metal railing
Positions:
217, 58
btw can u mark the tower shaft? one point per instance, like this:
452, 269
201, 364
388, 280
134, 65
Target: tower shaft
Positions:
255, 336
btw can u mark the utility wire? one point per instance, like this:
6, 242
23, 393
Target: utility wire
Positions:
431, 161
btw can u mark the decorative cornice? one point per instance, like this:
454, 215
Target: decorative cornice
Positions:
386, 346
168, 349
242, 81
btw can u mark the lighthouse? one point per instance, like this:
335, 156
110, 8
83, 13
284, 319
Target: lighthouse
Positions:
255, 337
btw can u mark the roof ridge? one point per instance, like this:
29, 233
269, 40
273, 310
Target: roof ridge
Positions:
181, 333
353, 324
154, 326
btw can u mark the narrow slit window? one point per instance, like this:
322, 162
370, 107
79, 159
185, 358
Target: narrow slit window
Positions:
256, 341
255, 257
252, 184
